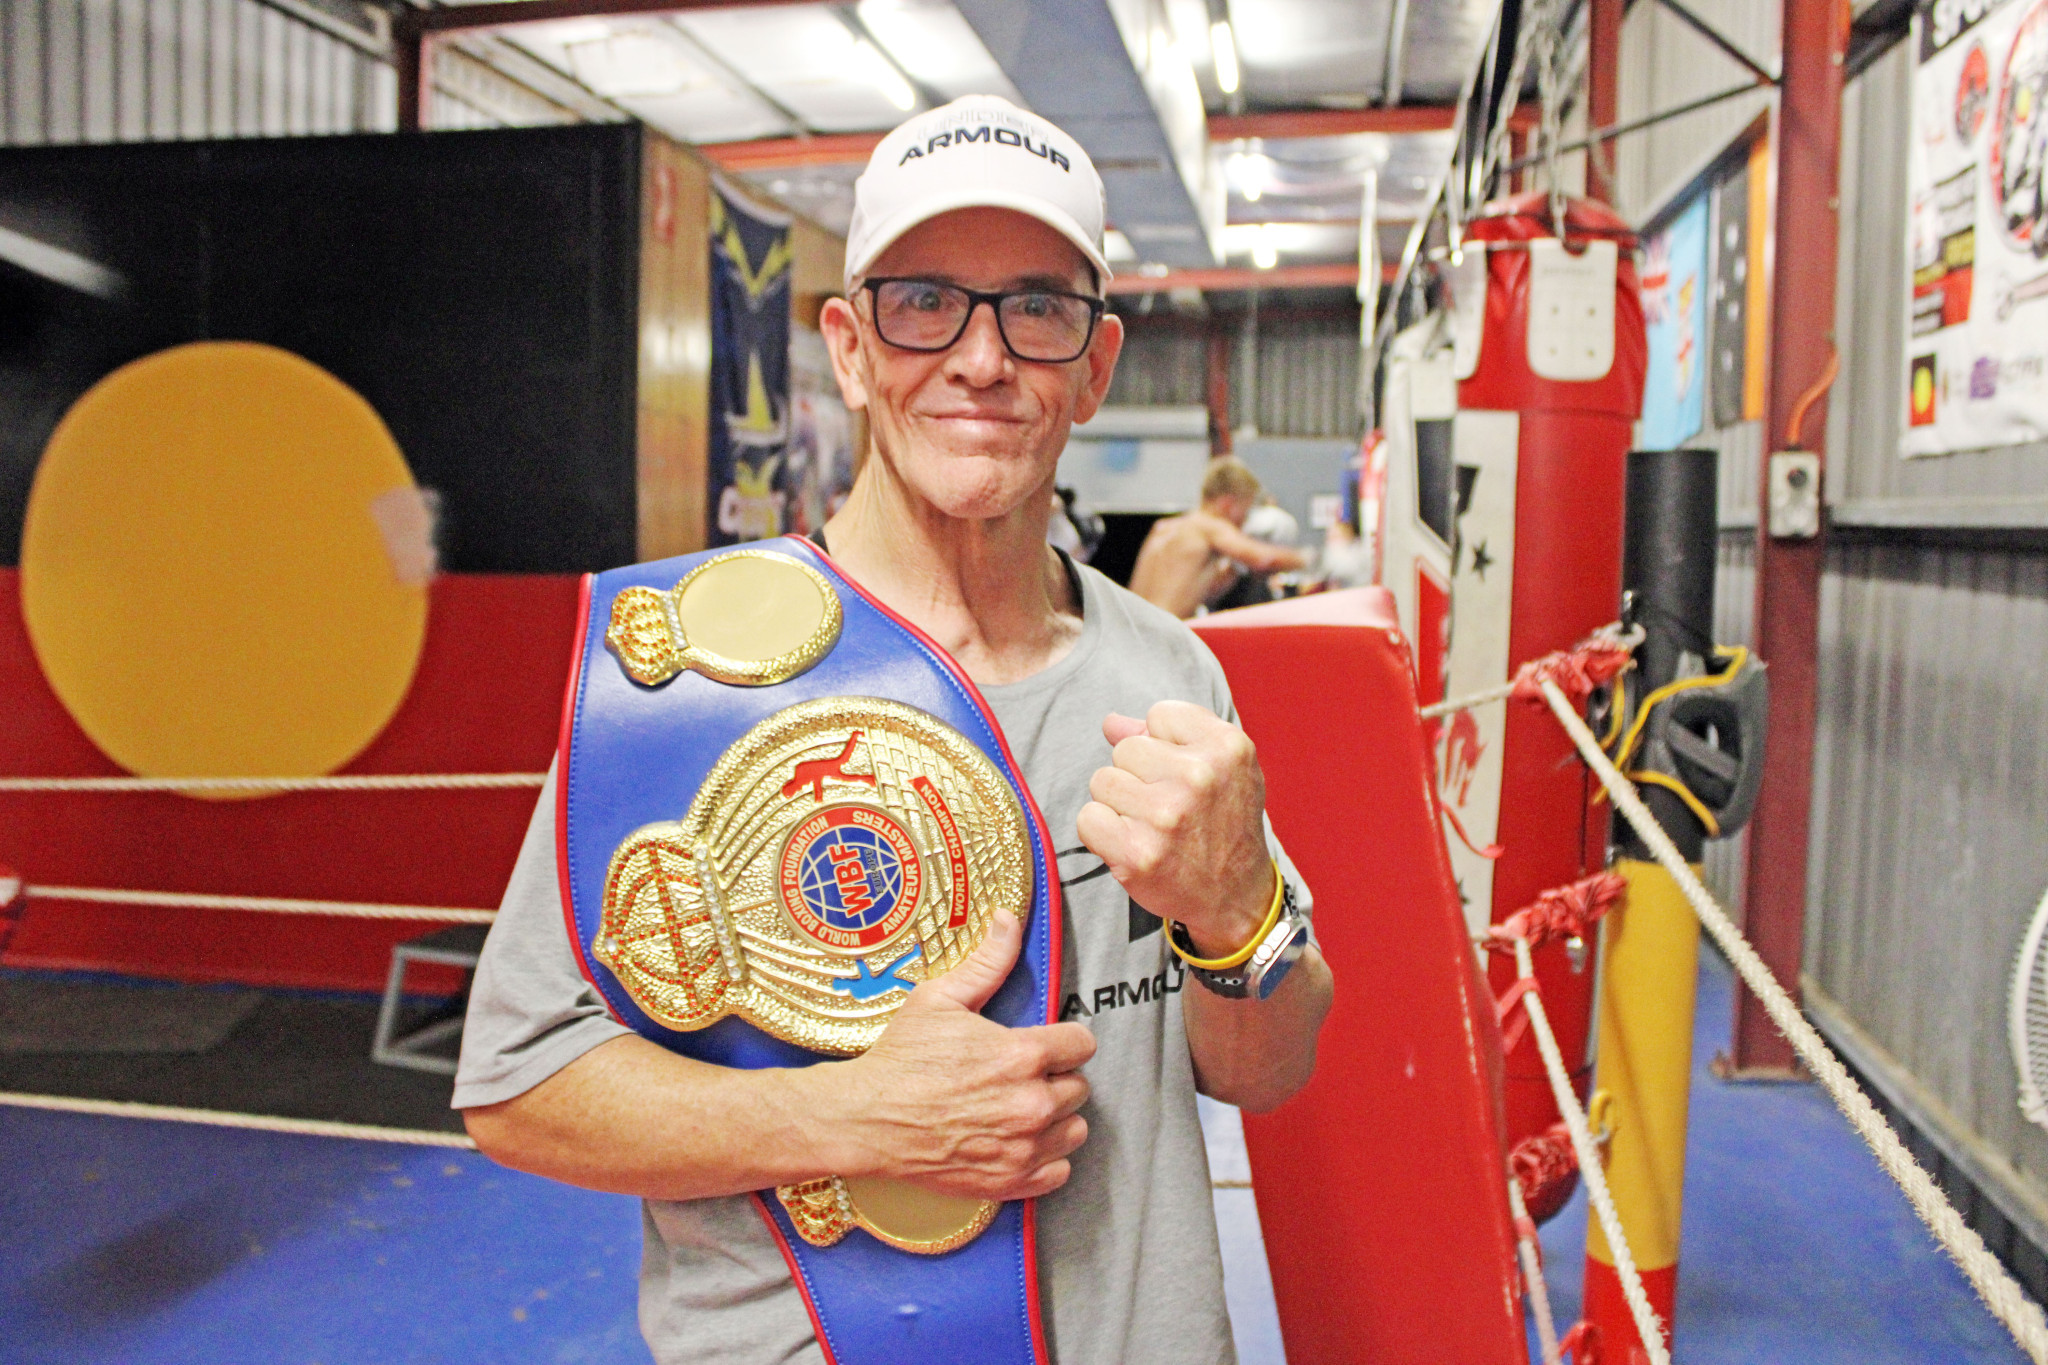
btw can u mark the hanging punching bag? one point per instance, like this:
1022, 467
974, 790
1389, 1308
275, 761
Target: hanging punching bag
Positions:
1548, 353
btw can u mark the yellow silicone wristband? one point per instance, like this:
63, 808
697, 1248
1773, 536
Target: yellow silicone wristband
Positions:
1244, 954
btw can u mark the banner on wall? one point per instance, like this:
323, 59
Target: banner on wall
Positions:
1740, 309
1674, 291
750, 481
1977, 228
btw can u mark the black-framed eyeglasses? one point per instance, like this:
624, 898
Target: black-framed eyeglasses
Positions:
1048, 326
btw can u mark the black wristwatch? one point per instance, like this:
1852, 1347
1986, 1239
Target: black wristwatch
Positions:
1259, 975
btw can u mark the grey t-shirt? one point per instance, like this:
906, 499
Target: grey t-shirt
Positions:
1129, 1270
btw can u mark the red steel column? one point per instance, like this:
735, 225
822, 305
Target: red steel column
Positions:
1219, 391
412, 59
1803, 243
1603, 89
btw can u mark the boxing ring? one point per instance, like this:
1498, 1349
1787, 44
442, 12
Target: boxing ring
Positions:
1475, 1196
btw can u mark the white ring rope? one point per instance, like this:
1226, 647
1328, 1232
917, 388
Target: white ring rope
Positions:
395, 782
1613, 636
1498, 692
1537, 1291
271, 1123
2006, 1300
275, 905
1648, 1327
263, 1123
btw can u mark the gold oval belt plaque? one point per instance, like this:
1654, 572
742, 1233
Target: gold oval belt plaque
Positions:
751, 618
840, 852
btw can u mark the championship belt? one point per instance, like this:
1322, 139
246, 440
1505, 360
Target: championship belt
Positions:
782, 807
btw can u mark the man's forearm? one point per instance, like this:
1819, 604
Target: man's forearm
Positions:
632, 1118
945, 1099
1276, 559
1257, 1053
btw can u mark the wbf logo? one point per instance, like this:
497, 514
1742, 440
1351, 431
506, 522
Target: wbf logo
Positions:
849, 879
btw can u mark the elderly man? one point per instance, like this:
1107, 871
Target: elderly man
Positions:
1189, 560
973, 335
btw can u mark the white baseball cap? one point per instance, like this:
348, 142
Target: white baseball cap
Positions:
980, 151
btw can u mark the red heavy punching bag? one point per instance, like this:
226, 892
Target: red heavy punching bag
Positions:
1549, 359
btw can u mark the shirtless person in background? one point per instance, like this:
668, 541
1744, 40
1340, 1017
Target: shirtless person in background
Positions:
1187, 559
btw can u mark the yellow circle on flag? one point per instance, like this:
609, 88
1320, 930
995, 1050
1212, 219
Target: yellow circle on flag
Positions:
224, 565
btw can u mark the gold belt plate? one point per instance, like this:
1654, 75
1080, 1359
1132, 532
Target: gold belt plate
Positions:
840, 852
843, 850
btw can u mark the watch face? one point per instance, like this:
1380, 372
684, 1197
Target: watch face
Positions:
1266, 976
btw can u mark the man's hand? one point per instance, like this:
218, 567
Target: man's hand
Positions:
954, 1102
1178, 817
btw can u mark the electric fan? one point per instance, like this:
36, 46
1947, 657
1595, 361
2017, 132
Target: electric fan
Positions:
2029, 1016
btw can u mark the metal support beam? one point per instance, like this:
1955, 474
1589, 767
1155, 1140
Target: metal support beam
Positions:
413, 60
373, 41
1603, 88
824, 149
1341, 275
503, 13
737, 81
1219, 389
1406, 118
1721, 41
1397, 56
1808, 146
1636, 125
413, 32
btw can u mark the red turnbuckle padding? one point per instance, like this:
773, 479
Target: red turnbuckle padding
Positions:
1593, 662
1582, 1344
13, 899
1547, 1168
1561, 912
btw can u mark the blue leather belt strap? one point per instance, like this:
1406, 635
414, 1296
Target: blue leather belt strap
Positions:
632, 755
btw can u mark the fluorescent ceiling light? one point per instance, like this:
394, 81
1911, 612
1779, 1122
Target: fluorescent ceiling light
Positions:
1249, 172
908, 32
1317, 241
1266, 249
628, 64
886, 78
931, 44
1189, 20
1117, 248
1225, 48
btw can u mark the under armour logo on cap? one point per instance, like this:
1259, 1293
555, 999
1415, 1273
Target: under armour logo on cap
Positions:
980, 151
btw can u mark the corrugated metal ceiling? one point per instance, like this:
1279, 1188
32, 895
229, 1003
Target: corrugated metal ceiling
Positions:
726, 76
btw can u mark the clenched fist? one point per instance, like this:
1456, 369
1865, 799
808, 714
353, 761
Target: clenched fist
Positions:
1178, 816
957, 1103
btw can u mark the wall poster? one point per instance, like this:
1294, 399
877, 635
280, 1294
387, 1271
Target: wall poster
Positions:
1674, 291
1741, 310
749, 492
1977, 228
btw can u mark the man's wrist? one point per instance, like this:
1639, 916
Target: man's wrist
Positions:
1212, 941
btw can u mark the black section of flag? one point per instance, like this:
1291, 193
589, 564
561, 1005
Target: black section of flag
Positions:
478, 290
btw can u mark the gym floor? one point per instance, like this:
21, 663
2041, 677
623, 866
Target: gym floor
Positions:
1796, 1249
164, 1243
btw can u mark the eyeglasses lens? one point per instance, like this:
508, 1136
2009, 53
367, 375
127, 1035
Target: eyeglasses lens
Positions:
925, 316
